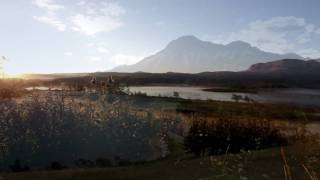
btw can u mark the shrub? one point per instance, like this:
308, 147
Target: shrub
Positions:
122, 162
18, 167
57, 166
84, 163
6, 93
103, 162
217, 136
53, 127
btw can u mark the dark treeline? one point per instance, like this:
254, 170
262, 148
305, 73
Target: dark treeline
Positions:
229, 79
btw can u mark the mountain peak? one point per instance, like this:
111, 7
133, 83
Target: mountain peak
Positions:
185, 43
188, 54
238, 44
187, 38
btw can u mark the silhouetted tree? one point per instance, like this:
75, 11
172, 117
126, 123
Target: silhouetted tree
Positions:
176, 94
236, 97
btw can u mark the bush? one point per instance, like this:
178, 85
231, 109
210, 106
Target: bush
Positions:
18, 167
103, 162
211, 138
6, 93
122, 162
84, 163
11, 88
45, 128
57, 166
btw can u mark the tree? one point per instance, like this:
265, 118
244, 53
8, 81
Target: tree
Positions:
176, 94
247, 99
3, 59
236, 97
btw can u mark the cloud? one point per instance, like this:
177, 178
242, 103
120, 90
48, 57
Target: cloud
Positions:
121, 59
95, 59
68, 54
112, 9
48, 5
91, 44
50, 18
303, 38
103, 50
278, 34
104, 18
90, 25
160, 24
311, 53
88, 19
52, 21
81, 3
310, 28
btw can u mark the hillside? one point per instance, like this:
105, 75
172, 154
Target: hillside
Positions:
288, 66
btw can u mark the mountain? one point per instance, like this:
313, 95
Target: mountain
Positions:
289, 66
188, 54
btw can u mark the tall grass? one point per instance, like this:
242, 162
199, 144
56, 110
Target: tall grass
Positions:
215, 137
54, 127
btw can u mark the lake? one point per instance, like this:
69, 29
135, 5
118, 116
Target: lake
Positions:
295, 96
42, 88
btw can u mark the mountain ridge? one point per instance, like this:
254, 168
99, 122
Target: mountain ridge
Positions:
289, 66
188, 54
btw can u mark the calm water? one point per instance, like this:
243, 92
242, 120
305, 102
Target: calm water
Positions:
279, 96
42, 88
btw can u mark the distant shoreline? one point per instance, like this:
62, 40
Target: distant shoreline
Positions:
230, 90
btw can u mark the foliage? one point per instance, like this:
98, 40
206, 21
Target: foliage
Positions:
11, 89
176, 94
234, 80
227, 135
57, 128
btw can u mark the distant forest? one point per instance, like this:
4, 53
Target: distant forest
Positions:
226, 79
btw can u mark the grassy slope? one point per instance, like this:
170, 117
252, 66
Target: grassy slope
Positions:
212, 108
265, 164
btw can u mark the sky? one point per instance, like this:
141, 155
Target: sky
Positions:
59, 36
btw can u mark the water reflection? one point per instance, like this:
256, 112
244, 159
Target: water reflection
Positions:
287, 96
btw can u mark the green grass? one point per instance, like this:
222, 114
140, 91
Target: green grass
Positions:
212, 108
